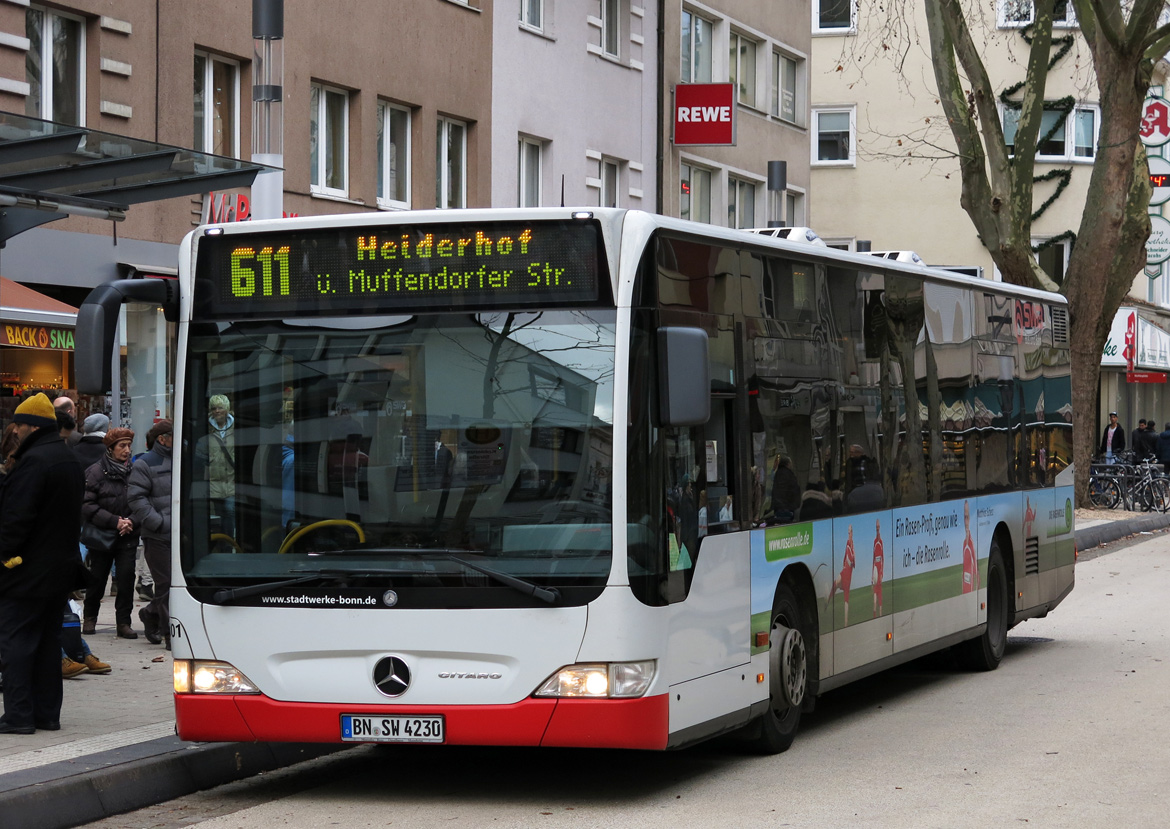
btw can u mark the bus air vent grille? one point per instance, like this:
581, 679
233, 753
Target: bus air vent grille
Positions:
1032, 556
1060, 325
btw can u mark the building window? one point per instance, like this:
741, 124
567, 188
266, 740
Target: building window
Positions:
1074, 138
54, 66
794, 208
328, 140
532, 14
217, 105
530, 172
788, 86
610, 28
833, 137
696, 48
1016, 14
1053, 259
610, 176
451, 163
741, 203
742, 68
393, 155
834, 16
695, 193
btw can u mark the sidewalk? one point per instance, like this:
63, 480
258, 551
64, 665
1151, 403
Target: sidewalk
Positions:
116, 750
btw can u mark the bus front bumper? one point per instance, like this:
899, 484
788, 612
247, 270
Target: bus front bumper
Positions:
604, 723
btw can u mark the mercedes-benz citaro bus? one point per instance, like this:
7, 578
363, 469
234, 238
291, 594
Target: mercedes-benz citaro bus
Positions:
588, 477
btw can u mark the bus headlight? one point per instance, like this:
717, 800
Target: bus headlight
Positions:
196, 676
614, 680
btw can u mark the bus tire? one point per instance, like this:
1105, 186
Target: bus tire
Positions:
984, 652
789, 670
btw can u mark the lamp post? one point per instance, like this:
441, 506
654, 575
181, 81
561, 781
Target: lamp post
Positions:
268, 106
777, 185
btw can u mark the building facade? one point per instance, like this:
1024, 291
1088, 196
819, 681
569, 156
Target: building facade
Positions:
763, 50
574, 104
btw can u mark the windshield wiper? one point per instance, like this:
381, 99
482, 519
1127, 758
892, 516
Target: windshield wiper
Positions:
227, 594
528, 588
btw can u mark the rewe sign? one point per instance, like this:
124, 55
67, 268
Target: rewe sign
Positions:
704, 114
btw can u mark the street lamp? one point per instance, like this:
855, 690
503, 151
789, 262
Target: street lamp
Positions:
268, 106
777, 185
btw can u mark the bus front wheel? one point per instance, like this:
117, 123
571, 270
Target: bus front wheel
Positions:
788, 664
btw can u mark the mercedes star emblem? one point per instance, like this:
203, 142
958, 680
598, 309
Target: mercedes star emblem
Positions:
392, 676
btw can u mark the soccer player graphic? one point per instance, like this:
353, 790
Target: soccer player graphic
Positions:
879, 565
1029, 517
845, 577
970, 560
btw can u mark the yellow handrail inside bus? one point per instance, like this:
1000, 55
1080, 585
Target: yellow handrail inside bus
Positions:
225, 537
330, 522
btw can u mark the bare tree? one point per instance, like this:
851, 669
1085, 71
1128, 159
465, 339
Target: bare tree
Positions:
997, 185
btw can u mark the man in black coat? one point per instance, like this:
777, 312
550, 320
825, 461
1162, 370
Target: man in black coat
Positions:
40, 512
1144, 439
92, 447
1162, 449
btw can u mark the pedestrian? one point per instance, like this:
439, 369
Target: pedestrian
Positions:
65, 405
40, 511
91, 447
1162, 449
66, 427
106, 510
1144, 440
216, 454
1112, 439
149, 496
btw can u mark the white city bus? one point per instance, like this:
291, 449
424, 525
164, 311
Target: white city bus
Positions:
589, 477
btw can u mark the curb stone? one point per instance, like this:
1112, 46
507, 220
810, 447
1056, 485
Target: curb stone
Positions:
122, 780
1099, 534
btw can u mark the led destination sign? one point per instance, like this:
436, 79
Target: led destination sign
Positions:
379, 268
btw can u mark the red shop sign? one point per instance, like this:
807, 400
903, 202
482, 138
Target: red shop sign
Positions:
704, 114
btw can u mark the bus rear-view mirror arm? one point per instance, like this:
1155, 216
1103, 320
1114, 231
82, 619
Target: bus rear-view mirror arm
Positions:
97, 325
684, 377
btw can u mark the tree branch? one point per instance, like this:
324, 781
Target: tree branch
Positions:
1143, 21
1107, 18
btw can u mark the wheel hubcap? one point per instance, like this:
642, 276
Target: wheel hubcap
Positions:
789, 664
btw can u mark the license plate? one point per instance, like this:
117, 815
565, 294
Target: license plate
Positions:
397, 728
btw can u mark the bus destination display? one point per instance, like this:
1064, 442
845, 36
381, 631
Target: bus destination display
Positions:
392, 267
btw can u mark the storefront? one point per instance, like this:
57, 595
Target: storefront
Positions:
1135, 364
36, 345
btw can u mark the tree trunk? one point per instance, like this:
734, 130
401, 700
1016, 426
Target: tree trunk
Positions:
1086, 372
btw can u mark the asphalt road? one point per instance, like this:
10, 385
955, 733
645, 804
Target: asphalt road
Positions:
1072, 730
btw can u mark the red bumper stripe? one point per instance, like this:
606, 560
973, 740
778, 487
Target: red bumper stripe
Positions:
640, 723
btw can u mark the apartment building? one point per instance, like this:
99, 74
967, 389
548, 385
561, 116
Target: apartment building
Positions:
574, 104
762, 48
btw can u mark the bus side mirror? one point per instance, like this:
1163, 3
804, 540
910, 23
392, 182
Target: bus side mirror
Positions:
684, 377
97, 326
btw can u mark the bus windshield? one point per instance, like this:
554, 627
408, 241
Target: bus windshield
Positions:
446, 458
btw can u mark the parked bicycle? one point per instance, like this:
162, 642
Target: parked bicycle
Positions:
1129, 484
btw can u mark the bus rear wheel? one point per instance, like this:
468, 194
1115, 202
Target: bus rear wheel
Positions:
789, 669
984, 652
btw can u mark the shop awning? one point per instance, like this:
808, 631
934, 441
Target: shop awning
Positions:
50, 170
19, 304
